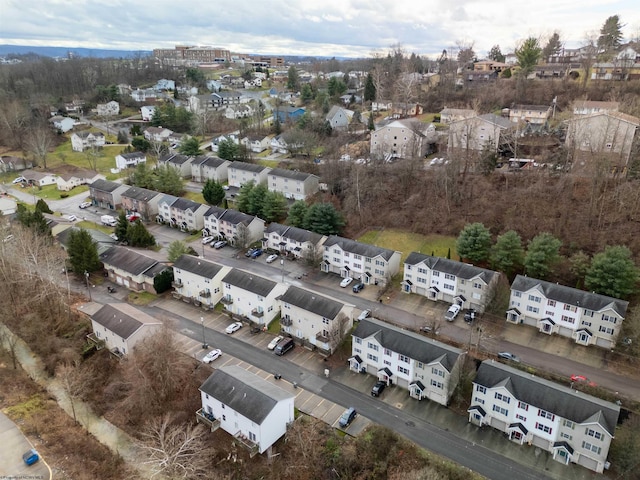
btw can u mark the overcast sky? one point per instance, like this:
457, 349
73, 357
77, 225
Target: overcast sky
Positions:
344, 28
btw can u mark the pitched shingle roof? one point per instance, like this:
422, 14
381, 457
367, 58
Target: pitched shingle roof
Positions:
215, 211
459, 269
552, 397
294, 233
249, 167
244, 392
175, 159
185, 204
105, 185
292, 174
198, 266
495, 120
128, 260
312, 302
140, 194
569, 295
234, 217
122, 319
249, 282
413, 345
133, 155
208, 161
353, 246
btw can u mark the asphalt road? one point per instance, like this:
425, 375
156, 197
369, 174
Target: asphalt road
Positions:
477, 458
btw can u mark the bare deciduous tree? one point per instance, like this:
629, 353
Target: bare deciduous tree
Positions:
73, 379
39, 140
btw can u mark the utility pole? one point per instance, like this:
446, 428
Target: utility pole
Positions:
204, 342
86, 277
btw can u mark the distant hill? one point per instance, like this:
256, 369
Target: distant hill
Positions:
64, 51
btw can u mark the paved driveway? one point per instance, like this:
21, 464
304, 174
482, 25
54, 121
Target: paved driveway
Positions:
14, 444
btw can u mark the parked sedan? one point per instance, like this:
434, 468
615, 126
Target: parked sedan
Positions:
219, 244
346, 281
72, 218
84, 205
452, 313
364, 315
358, 287
212, 355
234, 327
378, 388
274, 342
206, 240
347, 417
582, 379
509, 356
272, 258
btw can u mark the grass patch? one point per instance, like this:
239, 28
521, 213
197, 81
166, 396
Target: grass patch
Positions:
274, 326
407, 242
63, 154
268, 163
195, 197
141, 298
26, 409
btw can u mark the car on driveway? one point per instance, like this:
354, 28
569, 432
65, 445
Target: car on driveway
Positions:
219, 244
212, 355
346, 281
358, 287
18, 180
84, 205
347, 417
452, 313
378, 388
72, 218
470, 315
509, 356
272, 258
206, 240
365, 314
274, 342
234, 327
582, 379
30, 457
250, 252
256, 253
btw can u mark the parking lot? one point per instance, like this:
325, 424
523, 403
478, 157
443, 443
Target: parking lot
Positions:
14, 444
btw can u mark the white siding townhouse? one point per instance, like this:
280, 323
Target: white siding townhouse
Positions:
240, 173
121, 326
187, 215
425, 367
126, 160
181, 163
204, 167
254, 411
238, 228
292, 184
147, 112
448, 280
198, 279
157, 134
301, 243
80, 141
315, 319
588, 318
571, 425
250, 296
368, 263
108, 109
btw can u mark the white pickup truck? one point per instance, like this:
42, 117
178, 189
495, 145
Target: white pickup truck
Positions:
108, 220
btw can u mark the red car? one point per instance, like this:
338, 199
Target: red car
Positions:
582, 379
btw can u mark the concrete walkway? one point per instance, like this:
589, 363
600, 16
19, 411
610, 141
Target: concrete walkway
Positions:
118, 441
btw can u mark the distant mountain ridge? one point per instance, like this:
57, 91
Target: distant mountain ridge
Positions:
64, 51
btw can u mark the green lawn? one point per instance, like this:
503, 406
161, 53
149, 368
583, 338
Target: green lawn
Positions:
64, 155
195, 197
51, 192
407, 242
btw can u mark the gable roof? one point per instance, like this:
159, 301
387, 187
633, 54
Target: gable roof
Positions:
198, 266
364, 249
132, 156
85, 134
140, 194
175, 158
249, 282
128, 260
294, 233
292, 174
244, 392
459, 269
105, 185
413, 345
494, 120
617, 115
312, 302
209, 161
234, 217
104, 241
539, 108
123, 319
249, 167
185, 204
571, 296
552, 397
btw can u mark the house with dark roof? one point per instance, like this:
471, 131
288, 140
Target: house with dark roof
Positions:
240, 173
339, 118
131, 268
406, 138
422, 365
474, 133
9, 163
127, 160
314, 319
223, 99
61, 231
205, 167
186, 214
256, 142
107, 194
349, 258
120, 327
588, 318
39, 179
251, 297
293, 184
253, 410
198, 280
80, 141
448, 280
157, 134
141, 201
294, 241
238, 228
571, 425
179, 162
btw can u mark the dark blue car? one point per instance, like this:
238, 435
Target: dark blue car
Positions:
256, 253
30, 457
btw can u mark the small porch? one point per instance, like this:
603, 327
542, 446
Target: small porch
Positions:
384, 375
517, 433
250, 445
95, 341
477, 415
356, 364
562, 452
547, 325
207, 419
416, 390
